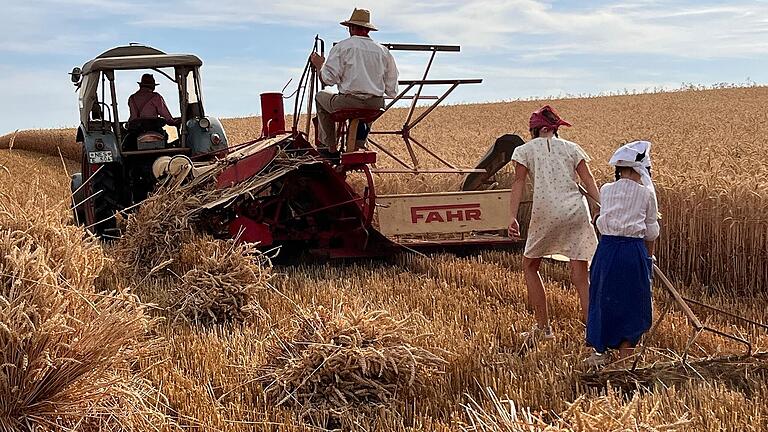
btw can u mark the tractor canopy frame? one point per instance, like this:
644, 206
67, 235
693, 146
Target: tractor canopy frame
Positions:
136, 57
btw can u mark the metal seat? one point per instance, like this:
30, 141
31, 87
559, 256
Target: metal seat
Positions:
366, 115
348, 133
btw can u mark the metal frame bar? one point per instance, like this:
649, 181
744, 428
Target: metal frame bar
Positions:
419, 89
423, 147
421, 47
299, 95
433, 106
181, 84
422, 97
405, 132
441, 81
115, 115
315, 83
388, 153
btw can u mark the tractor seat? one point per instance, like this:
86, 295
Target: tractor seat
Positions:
151, 141
150, 137
141, 125
364, 115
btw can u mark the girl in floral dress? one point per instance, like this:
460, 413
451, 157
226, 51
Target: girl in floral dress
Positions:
560, 218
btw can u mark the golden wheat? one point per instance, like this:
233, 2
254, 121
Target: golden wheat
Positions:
212, 376
67, 352
339, 362
705, 142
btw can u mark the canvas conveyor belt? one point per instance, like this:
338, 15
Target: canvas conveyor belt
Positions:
282, 165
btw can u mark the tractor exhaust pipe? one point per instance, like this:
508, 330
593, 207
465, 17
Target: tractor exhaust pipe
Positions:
272, 114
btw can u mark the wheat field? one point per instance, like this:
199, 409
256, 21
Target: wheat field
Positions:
409, 343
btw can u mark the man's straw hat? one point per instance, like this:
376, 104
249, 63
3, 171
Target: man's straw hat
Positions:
360, 17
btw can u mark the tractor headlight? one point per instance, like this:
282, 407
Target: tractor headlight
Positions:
215, 139
204, 123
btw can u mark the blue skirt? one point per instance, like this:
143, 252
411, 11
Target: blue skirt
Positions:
619, 293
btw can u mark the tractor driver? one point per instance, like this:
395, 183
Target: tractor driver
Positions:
363, 70
147, 104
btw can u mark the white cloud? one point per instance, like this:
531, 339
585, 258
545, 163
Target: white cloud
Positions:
55, 26
512, 44
736, 29
527, 27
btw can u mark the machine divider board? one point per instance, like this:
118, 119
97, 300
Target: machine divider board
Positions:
443, 212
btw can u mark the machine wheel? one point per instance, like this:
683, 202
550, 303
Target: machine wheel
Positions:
368, 204
99, 209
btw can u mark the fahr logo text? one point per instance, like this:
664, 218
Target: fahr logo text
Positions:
446, 213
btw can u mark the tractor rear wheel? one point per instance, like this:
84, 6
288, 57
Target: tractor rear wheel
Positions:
75, 189
102, 198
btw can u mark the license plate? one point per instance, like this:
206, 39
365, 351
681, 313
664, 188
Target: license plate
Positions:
99, 157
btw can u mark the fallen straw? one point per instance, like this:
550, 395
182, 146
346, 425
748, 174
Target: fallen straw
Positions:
338, 359
737, 371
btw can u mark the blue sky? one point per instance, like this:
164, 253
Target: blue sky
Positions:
522, 48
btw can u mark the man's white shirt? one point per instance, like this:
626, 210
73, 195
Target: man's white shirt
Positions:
360, 66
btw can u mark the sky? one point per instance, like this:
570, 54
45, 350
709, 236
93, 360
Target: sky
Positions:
521, 48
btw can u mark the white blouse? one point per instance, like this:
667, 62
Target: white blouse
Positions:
628, 209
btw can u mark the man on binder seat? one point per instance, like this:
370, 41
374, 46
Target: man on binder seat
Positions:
363, 71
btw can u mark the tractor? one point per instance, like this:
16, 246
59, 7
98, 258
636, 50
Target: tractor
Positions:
117, 154
281, 189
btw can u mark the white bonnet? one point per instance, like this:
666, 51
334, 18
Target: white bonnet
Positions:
627, 155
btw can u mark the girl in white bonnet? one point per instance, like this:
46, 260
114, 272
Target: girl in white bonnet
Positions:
620, 275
